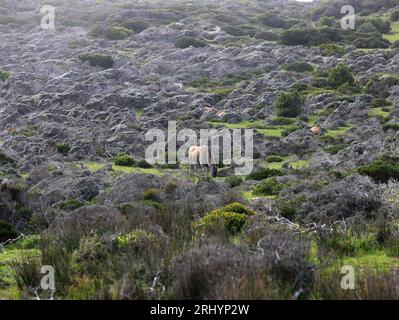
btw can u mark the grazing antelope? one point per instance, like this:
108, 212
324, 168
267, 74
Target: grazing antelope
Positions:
200, 156
315, 130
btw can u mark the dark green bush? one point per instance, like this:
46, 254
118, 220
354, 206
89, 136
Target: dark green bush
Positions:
142, 163
124, 160
263, 173
288, 207
240, 31
103, 61
394, 15
298, 67
371, 41
186, 42
381, 25
334, 149
391, 126
330, 49
64, 148
395, 44
302, 36
274, 158
269, 187
289, 104
380, 102
7, 231
340, 75
4, 159
267, 35
381, 171
234, 181
273, 20
117, 33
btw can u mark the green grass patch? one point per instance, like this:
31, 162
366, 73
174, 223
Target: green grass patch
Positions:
250, 196
394, 35
380, 113
94, 166
300, 164
277, 131
334, 133
8, 286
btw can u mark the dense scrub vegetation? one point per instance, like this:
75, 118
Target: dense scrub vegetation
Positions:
323, 193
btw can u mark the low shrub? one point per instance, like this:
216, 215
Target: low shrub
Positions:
288, 208
5, 159
135, 25
273, 20
64, 148
381, 171
330, 49
71, 204
289, 104
302, 36
139, 241
394, 16
238, 208
186, 42
299, 67
103, 61
230, 218
7, 231
171, 186
206, 271
217, 221
263, 173
390, 126
4, 75
380, 102
274, 159
124, 160
267, 36
240, 31
151, 195
117, 33
143, 164
287, 257
340, 75
269, 187
233, 181
371, 41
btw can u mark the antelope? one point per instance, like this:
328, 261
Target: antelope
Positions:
200, 156
315, 130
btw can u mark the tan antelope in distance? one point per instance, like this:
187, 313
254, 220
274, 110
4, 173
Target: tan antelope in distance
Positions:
200, 156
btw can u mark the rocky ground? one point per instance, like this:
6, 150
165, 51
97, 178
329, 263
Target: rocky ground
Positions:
73, 99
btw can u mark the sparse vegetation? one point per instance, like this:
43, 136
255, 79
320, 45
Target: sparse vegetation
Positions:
103, 61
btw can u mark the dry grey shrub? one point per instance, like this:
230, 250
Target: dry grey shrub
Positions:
209, 270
